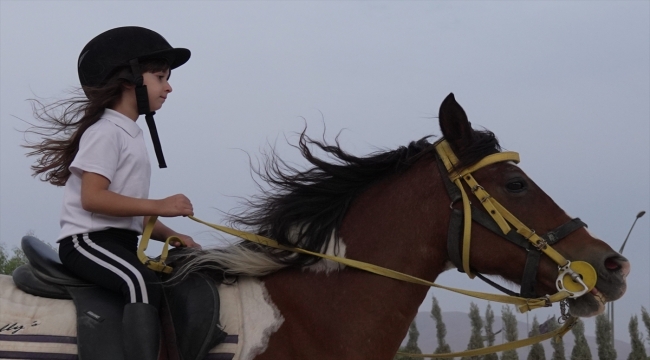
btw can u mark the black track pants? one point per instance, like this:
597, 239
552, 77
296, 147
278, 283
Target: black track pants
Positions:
108, 258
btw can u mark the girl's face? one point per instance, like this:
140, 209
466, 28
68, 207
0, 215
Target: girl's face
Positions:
158, 88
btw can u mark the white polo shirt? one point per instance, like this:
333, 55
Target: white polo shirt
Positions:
114, 148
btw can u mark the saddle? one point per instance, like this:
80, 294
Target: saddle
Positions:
189, 311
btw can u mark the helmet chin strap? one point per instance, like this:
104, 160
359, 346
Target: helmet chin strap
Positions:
142, 99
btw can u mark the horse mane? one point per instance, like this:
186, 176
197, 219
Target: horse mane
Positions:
305, 208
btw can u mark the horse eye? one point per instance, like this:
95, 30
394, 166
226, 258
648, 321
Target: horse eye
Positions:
515, 186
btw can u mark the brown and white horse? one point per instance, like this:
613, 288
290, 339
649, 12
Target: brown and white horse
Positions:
389, 209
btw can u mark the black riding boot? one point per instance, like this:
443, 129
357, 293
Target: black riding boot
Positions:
140, 332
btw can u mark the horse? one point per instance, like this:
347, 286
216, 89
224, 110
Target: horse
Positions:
393, 209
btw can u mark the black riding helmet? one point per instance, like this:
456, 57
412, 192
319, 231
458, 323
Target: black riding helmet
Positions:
124, 47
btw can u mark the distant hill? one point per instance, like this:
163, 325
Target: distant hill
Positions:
458, 333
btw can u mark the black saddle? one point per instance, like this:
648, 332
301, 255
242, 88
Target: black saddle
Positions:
189, 315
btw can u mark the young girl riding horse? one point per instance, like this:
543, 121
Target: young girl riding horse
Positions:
103, 164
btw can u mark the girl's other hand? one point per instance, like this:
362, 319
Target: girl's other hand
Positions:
176, 205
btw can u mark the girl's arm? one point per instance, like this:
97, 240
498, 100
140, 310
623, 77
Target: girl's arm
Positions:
96, 198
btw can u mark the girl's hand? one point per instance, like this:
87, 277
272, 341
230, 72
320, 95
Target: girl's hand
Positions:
176, 205
187, 240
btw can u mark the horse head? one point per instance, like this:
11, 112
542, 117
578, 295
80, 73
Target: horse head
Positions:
507, 183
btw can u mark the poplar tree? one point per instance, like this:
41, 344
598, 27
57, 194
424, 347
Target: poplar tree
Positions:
489, 332
646, 320
606, 350
476, 339
556, 342
536, 350
581, 348
638, 349
412, 343
441, 329
512, 334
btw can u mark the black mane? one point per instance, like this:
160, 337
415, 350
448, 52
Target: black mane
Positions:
304, 208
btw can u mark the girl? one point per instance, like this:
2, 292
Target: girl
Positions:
102, 161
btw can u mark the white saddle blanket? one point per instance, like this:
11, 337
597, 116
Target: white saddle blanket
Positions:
33, 324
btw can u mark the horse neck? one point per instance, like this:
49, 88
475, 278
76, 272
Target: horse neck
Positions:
399, 223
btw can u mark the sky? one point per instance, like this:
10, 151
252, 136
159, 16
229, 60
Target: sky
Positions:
565, 84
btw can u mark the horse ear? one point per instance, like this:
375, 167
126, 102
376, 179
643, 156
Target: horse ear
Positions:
454, 125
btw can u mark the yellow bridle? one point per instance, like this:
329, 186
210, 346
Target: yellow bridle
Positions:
574, 279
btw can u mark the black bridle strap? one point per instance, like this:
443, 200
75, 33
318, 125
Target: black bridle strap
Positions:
533, 256
454, 233
496, 285
561, 232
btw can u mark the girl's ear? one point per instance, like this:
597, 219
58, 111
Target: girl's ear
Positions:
454, 125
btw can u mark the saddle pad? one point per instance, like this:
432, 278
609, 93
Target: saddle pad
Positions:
39, 328
230, 318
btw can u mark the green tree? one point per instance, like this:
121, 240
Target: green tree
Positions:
646, 320
441, 329
581, 348
557, 343
412, 343
512, 334
536, 350
476, 339
9, 263
489, 332
638, 349
606, 350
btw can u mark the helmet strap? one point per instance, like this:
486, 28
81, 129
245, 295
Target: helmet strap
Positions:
142, 100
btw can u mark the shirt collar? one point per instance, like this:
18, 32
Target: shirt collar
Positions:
123, 122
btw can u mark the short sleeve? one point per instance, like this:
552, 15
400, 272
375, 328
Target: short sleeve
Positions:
98, 152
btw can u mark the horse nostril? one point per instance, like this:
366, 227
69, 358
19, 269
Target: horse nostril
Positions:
612, 265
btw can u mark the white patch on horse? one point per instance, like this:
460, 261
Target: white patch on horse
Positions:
335, 247
261, 318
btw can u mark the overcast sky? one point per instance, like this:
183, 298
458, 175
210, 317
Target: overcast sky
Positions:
566, 84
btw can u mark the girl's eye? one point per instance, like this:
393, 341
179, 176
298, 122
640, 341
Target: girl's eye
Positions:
516, 185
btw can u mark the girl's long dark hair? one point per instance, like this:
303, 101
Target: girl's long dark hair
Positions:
64, 122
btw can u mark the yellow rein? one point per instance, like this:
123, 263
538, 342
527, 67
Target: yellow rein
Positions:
522, 304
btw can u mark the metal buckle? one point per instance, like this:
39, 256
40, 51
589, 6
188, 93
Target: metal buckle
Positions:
541, 244
564, 312
566, 270
451, 206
